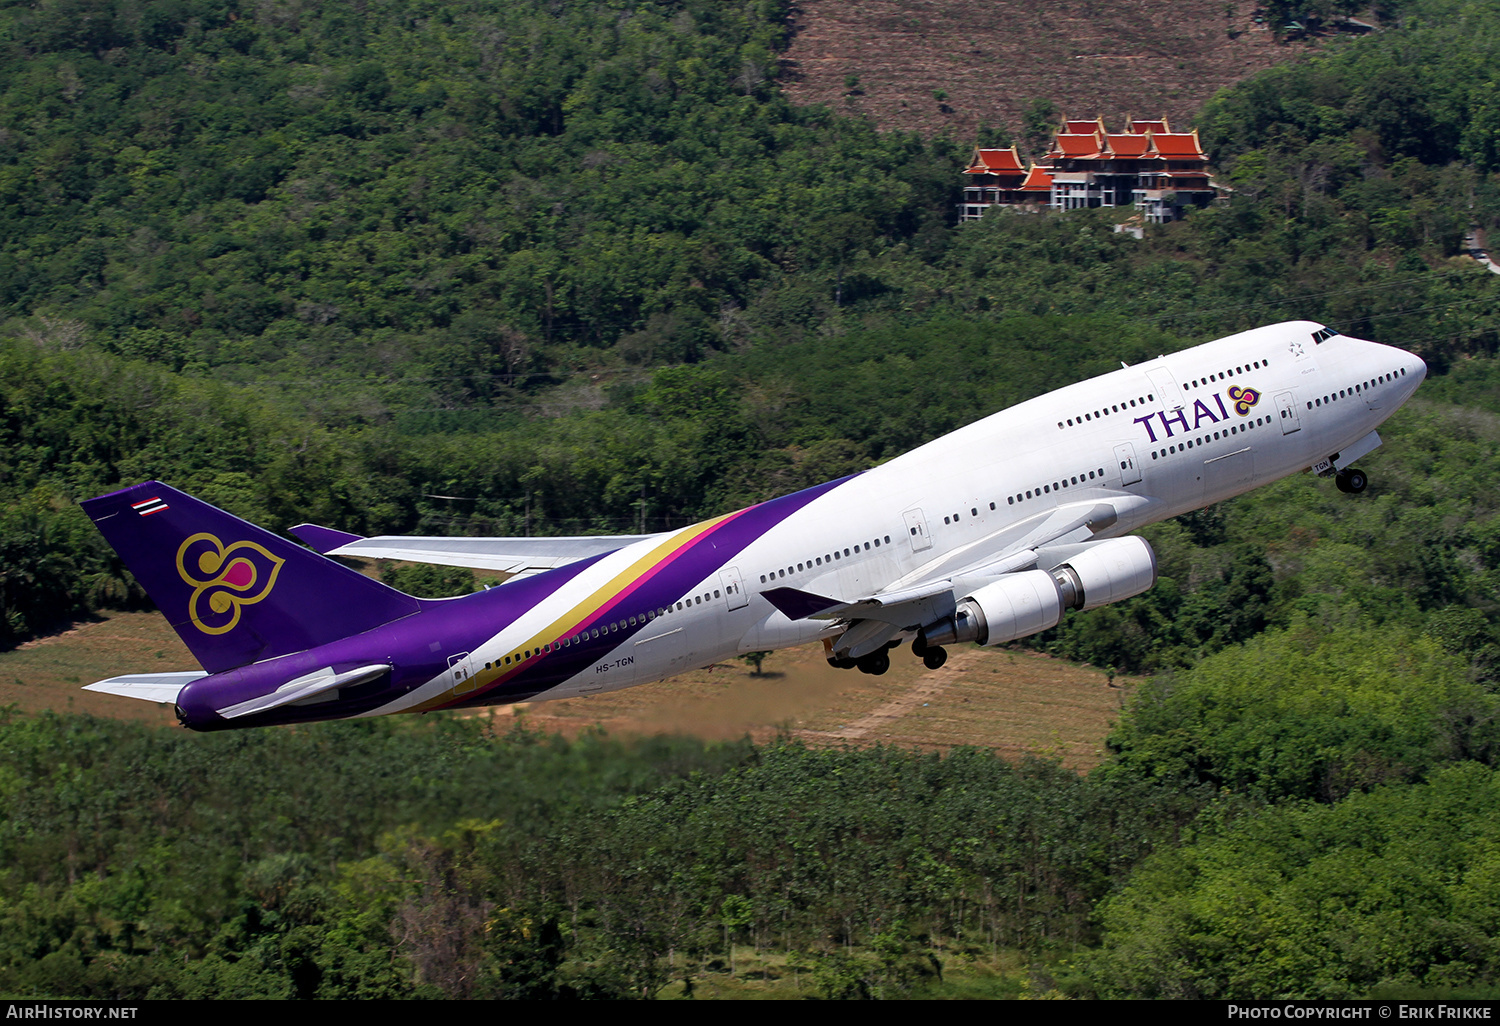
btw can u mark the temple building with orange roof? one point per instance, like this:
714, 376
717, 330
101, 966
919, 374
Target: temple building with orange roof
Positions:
998, 178
1148, 166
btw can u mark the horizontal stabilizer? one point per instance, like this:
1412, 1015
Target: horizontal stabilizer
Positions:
305, 687
323, 539
149, 687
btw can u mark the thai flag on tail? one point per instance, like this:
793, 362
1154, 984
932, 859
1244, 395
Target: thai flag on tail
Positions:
151, 505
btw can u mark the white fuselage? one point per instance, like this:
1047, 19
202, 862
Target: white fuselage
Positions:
1152, 441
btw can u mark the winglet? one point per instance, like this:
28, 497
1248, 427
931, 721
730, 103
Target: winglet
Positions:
799, 605
323, 539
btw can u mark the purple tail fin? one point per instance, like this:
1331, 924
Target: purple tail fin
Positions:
236, 594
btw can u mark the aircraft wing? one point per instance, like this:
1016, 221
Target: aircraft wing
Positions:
1018, 546
520, 557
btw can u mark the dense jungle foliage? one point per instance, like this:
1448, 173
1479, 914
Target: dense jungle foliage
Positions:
583, 267
355, 865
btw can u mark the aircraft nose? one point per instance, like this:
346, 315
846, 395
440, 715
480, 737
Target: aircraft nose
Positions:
1418, 368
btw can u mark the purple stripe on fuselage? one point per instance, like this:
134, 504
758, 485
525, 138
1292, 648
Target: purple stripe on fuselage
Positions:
657, 588
419, 646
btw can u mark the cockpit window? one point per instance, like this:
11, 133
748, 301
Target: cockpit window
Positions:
1322, 333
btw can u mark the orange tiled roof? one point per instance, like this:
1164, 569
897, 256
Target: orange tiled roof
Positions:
1038, 179
1071, 127
990, 162
1126, 145
1074, 145
1139, 127
1182, 146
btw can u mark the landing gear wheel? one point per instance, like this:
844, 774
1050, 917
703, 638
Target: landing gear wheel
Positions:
1351, 481
842, 664
875, 663
934, 657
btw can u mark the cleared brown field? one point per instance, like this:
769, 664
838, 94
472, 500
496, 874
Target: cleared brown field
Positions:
1016, 703
992, 58
49, 673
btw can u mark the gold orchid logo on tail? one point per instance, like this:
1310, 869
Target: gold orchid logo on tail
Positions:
224, 580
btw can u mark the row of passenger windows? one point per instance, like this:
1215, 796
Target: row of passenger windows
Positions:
1119, 407
1081, 478
817, 561
1210, 436
603, 630
1195, 383
1345, 393
953, 518
1231, 372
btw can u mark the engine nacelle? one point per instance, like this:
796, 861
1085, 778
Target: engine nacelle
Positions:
1106, 572
1013, 607
1022, 604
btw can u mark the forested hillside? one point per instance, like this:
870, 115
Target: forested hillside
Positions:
552, 268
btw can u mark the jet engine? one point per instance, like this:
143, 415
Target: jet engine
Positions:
1106, 572
1022, 604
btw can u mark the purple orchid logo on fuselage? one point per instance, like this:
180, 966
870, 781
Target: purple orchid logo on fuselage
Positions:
1171, 421
226, 579
1243, 399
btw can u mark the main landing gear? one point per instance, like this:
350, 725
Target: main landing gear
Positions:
878, 662
933, 656
1351, 481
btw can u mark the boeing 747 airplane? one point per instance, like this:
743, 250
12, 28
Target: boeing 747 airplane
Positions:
986, 535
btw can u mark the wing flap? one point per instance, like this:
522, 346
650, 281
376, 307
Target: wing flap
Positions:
797, 604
